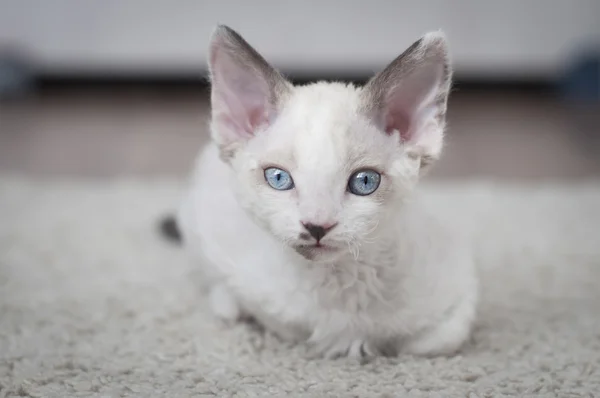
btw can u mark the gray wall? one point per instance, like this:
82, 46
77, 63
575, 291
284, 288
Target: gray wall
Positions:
488, 37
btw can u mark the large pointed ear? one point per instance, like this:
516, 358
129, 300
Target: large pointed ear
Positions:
409, 97
247, 92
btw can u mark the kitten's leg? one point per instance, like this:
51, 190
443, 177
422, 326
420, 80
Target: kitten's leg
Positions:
362, 350
446, 338
223, 304
345, 347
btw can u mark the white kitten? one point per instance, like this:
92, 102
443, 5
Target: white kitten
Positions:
300, 213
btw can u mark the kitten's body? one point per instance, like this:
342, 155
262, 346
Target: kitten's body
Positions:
388, 277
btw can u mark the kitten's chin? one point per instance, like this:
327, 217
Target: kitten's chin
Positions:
319, 253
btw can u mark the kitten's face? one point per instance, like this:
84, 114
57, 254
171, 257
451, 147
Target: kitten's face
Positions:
320, 141
324, 166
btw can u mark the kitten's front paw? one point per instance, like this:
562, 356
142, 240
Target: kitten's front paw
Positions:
224, 305
355, 349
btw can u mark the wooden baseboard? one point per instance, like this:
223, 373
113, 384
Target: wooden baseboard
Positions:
101, 82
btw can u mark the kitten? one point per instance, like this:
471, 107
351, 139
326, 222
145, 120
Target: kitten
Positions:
300, 209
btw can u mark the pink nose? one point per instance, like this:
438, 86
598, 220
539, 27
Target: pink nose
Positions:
318, 231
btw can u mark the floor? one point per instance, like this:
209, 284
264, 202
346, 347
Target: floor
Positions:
93, 303
150, 131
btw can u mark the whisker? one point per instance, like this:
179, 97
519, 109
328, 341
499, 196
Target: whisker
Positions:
355, 249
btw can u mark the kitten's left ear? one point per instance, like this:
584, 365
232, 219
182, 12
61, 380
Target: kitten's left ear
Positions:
409, 96
246, 93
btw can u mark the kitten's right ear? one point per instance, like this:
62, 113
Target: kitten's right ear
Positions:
409, 97
246, 91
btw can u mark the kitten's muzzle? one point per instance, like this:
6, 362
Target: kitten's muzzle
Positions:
313, 235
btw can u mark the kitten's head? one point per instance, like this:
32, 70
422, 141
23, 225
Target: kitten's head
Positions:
323, 166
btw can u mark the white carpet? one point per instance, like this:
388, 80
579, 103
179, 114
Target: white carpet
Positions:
94, 303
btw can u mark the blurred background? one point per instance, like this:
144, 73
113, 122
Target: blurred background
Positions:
115, 88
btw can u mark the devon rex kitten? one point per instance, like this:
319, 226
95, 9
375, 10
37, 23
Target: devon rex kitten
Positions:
300, 209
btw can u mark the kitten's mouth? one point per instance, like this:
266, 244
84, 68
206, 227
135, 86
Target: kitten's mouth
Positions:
313, 250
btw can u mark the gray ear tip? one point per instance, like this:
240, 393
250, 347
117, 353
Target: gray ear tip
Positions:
222, 38
435, 44
222, 32
435, 39
438, 34
222, 28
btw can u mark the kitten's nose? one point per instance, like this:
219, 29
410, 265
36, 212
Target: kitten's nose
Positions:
318, 231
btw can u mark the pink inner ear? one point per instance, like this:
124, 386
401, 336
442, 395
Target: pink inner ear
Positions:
257, 116
242, 109
242, 127
398, 121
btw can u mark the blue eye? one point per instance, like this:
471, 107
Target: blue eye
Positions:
279, 179
364, 182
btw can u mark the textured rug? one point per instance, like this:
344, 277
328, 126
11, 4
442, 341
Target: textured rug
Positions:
94, 303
